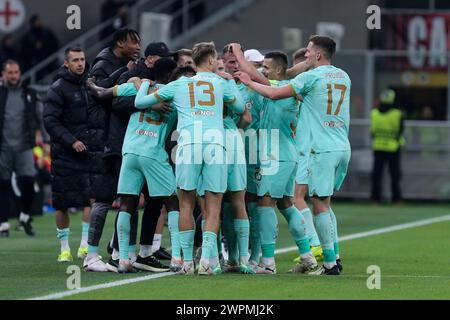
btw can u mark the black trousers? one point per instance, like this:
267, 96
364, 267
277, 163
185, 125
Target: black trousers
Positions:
393, 161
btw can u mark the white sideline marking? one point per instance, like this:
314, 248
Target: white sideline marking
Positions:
397, 227
358, 235
102, 286
396, 276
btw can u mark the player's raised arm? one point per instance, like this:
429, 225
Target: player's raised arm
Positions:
274, 93
156, 100
247, 66
298, 68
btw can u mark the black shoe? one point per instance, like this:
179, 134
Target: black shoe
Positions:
339, 264
27, 227
129, 269
331, 272
162, 254
112, 265
150, 263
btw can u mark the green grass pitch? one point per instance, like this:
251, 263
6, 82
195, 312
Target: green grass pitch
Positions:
414, 263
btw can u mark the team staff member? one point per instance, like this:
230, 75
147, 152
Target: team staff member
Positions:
68, 121
20, 132
386, 129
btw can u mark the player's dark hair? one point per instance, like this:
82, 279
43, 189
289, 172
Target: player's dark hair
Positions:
34, 17
8, 62
181, 71
123, 34
201, 51
71, 49
326, 44
226, 49
299, 54
182, 52
163, 69
280, 58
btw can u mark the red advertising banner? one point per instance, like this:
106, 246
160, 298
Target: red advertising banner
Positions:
425, 37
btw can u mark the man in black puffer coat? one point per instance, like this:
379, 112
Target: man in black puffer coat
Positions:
122, 108
108, 66
76, 134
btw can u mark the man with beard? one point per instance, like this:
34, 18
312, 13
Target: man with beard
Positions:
66, 119
19, 128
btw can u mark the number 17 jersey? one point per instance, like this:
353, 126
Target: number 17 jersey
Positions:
326, 103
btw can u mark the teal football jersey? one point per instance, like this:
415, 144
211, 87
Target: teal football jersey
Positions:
303, 133
279, 118
326, 102
147, 130
253, 101
125, 90
199, 101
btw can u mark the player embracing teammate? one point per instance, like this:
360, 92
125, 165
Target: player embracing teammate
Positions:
206, 106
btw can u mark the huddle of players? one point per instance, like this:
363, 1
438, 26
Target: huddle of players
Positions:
302, 125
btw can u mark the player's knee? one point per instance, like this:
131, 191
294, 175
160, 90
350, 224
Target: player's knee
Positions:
285, 203
129, 204
171, 203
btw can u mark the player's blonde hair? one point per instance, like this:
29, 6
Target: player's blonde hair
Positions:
201, 51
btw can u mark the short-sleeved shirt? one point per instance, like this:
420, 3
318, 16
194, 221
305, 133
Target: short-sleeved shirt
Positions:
147, 131
326, 102
303, 133
199, 101
279, 118
253, 101
230, 119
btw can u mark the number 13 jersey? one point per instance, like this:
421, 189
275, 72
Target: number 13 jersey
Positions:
199, 102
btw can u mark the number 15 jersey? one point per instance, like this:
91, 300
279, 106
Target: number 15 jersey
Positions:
326, 103
147, 130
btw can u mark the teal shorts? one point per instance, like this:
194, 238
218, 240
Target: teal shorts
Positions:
277, 184
237, 170
328, 171
302, 176
237, 177
236, 180
136, 170
252, 176
201, 167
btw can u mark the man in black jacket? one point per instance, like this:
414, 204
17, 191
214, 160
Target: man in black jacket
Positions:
122, 108
20, 131
76, 136
108, 66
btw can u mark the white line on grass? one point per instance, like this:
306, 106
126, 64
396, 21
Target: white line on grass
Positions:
397, 227
395, 276
63, 294
358, 235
